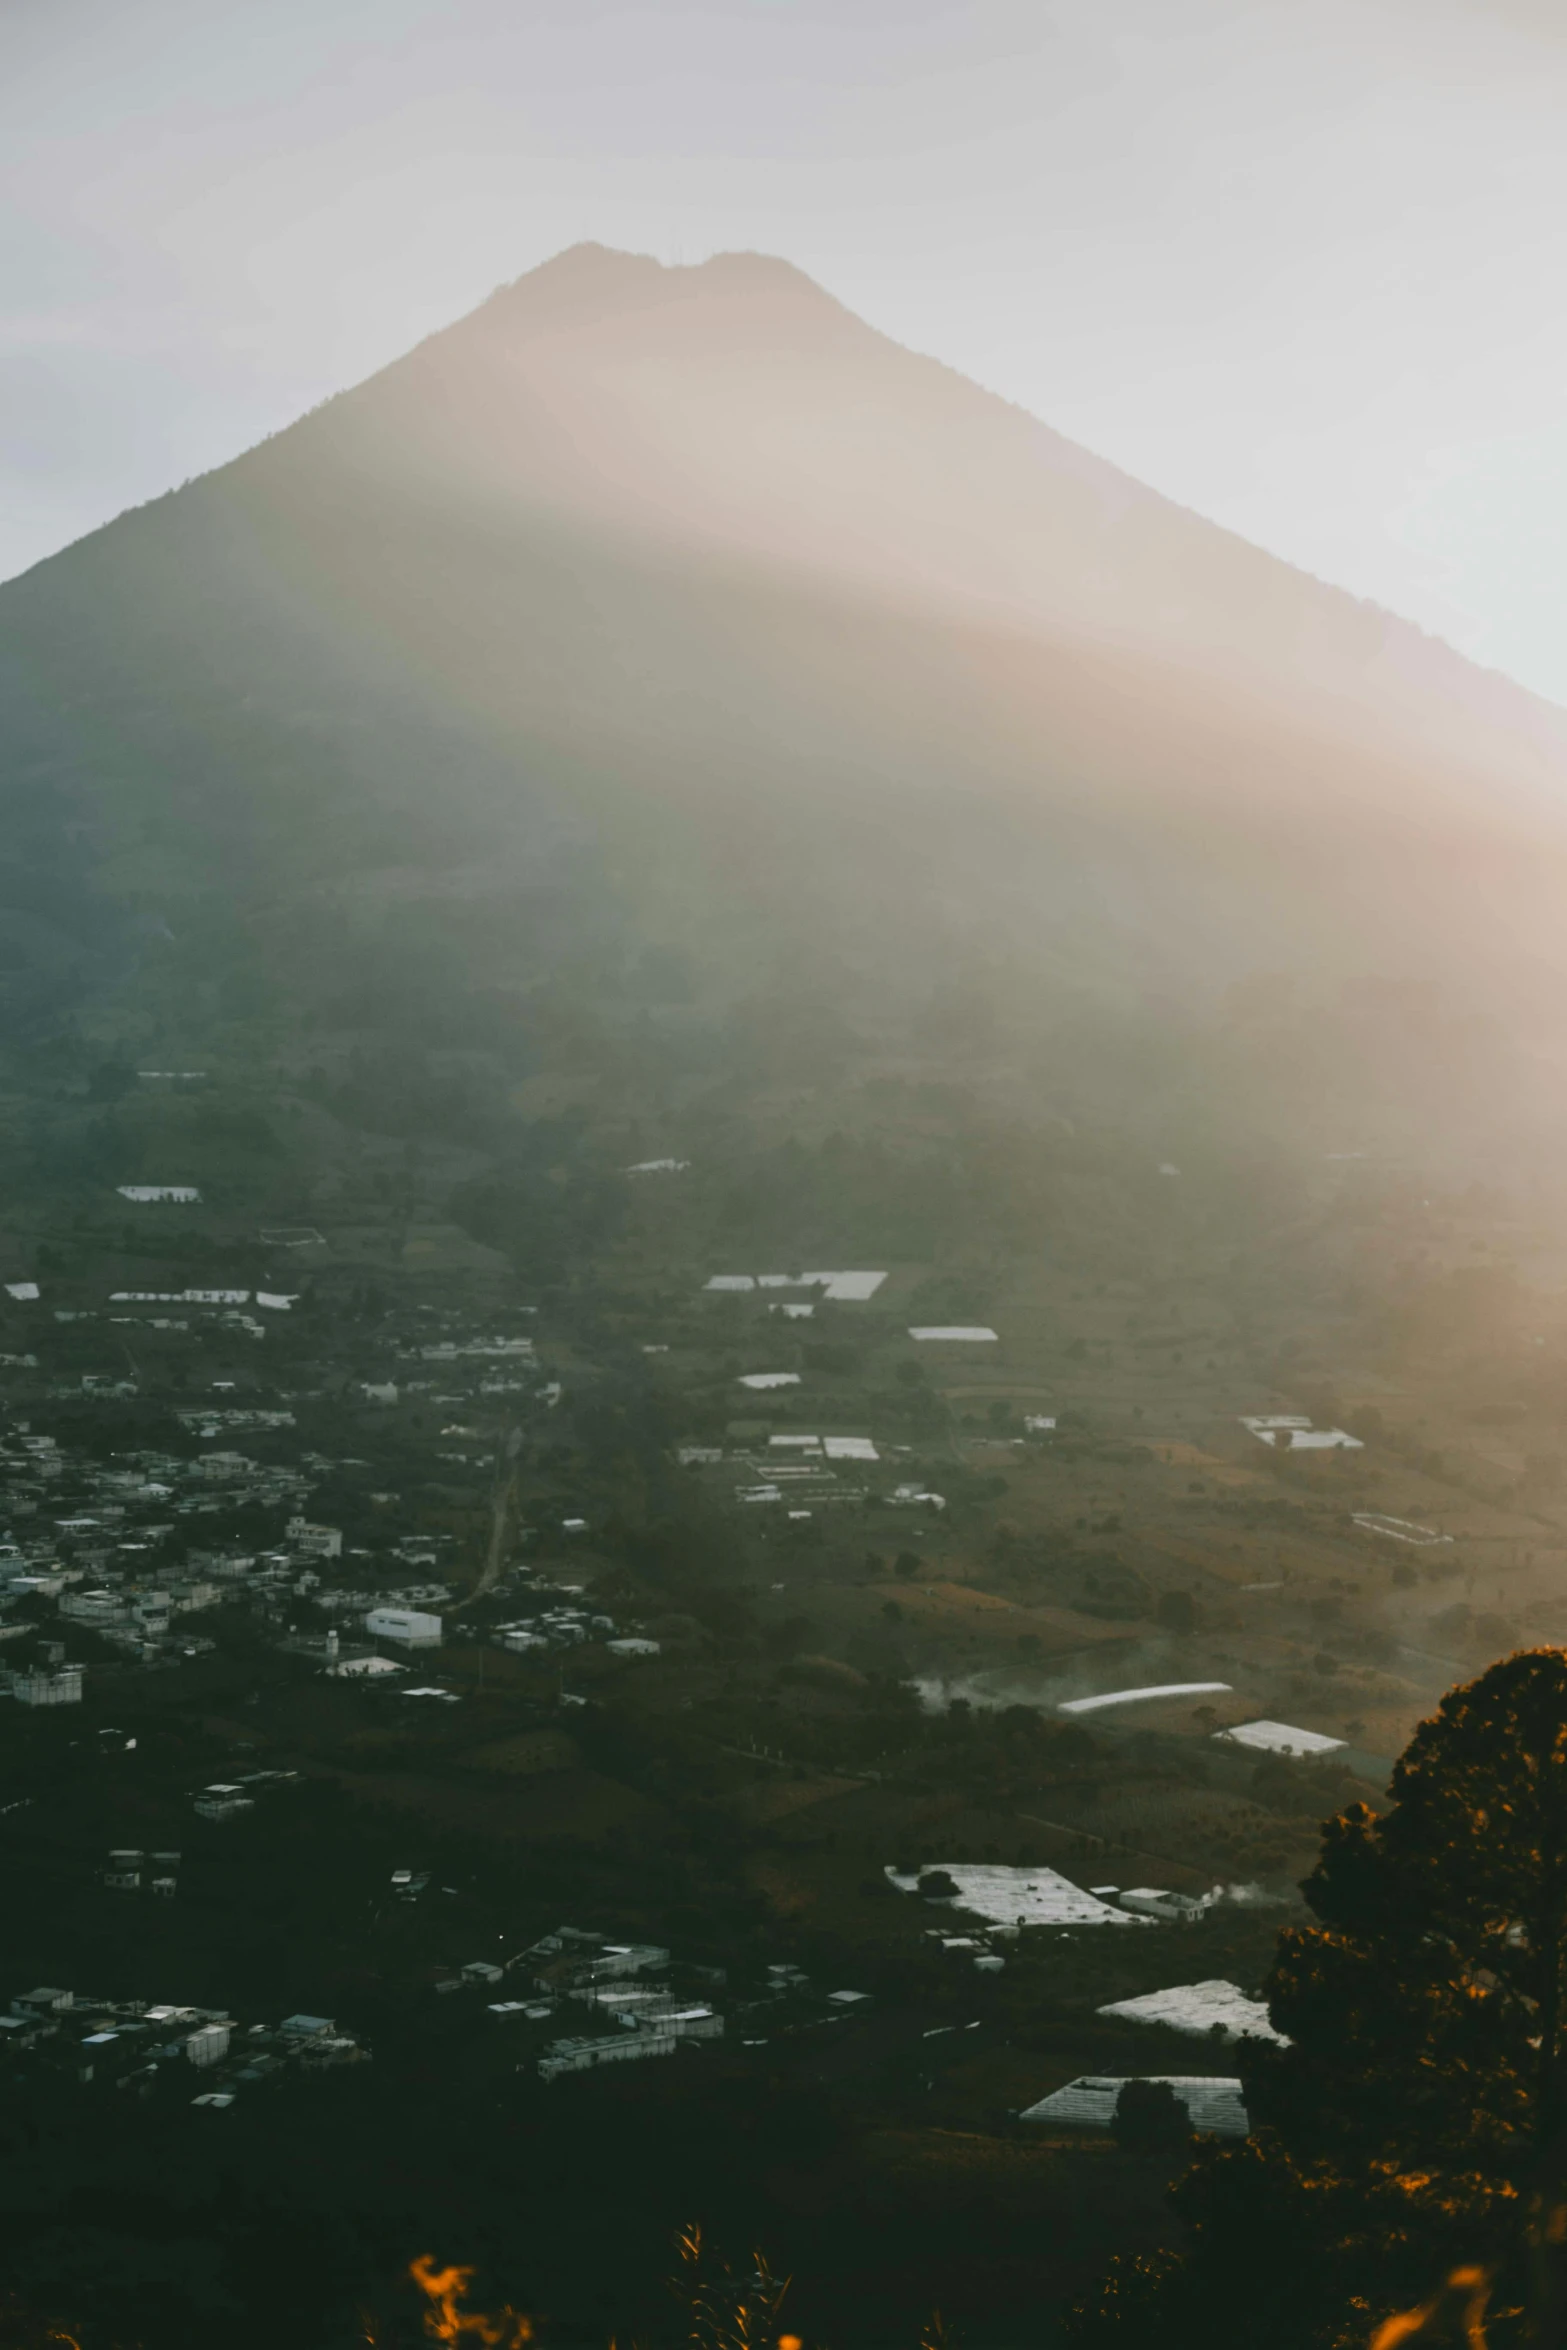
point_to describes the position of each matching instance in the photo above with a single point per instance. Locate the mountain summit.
(653, 617)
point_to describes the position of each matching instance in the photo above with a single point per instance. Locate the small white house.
(223, 1802)
(218, 1467)
(321, 1542)
(406, 1625)
(209, 2045)
(63, 1686)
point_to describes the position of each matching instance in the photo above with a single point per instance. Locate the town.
(917, 1686)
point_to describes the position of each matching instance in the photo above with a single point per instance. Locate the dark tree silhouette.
(1417, 2123)
(1428, 2005)
(1150, 2119)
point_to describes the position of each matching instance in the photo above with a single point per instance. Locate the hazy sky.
(1299, 263)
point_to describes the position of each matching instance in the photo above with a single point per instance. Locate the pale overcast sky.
(1296, 262)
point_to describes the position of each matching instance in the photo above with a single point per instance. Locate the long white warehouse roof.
(1280, 1738)
(1089, 2102)
(1020, 1897)
(1199, 2007)
(1094, 1705)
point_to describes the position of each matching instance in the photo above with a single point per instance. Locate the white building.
(1153, 1901)
(623, 1959)
(321, 1542)
(1279, 1738)
(209, 2045)
(1293, 1432)
(675, 2022)
(91, 1607)
(62, 1686)
(221, 1465)
(405, 1625)
(221, 1802)
(954, 1334)
(584, 2056)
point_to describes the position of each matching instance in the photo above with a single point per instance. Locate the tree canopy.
(1416, 2123)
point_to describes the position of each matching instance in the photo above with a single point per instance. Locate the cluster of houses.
(566, 1624)
(799, 1472)
(91, 1537)
(140, 2046)
(129, 1869)
(631, 2002)
(623, 1989)
(113, 1588)
(85, 1537)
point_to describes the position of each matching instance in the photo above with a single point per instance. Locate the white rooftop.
(954, 1334)
(1279, 1738)
(1006, 1896)
(846, 1288)
(1094, 1705)
(1197, 2008)
(1089, 2102)
(1375, 1522)
(770, 1379)
(1290, 1433)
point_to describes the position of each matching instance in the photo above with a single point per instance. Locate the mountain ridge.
(650, 614)
(1347, 647)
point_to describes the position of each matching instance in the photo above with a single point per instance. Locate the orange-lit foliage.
(1455, 2315)
(726, 2309)
(23, 2328)
(446, 2320)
